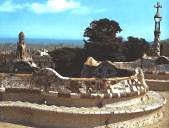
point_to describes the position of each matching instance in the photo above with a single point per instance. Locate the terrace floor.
(164, 123)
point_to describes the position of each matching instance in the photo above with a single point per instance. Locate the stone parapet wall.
(162, 68)
(157, 81)
(16, 81)
(41, 115)
(156, 76)
(158, 85)
(149, 102)
(53, 120)
(43, 119)
(146, 65)
(159, 76)
(128, 65)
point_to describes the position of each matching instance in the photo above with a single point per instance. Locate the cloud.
(8, 6)
(54, 6)
(50, 6)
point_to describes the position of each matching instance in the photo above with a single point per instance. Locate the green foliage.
(136, 48)
(104, 51)
(69, 61)
(102, 42)
(102, 30)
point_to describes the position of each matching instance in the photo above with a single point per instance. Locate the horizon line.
(67, 39)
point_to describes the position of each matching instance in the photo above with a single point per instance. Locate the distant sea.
(43, 41)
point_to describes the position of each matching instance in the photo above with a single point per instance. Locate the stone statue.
(21, 47)
(140, 76)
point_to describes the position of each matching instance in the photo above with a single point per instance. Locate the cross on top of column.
(157, 15)
(158, 5)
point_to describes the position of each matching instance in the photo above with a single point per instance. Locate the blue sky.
(67, 19)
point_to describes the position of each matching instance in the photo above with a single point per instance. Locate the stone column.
(157, 19)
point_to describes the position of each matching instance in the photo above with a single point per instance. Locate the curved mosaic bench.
(84, 92)
(78, 103)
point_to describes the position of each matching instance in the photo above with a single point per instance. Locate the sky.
(67, 19)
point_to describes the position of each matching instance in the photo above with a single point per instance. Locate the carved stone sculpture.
(21, 47)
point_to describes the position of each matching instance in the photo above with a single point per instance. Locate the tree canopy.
(102, 30)
(102, 42)
(68, 61)
(136, 48)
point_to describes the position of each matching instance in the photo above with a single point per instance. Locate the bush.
(68, 61)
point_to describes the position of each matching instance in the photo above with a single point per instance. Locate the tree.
(136, 47)
(102, 30)
(102, 42)
(68, 61)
